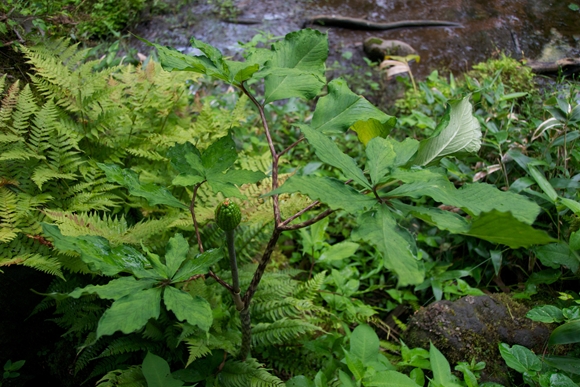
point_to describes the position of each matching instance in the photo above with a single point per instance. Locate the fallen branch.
(362, 24)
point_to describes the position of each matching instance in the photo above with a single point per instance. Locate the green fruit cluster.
(228, 215)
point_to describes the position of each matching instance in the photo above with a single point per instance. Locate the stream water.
(533, 29)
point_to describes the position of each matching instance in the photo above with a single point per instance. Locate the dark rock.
(473, 327)
(376, 48)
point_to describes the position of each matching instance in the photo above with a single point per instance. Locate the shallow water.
(532, 29)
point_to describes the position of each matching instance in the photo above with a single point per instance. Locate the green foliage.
(104, 173)
(82, 19)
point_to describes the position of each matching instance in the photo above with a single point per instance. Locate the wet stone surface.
(474, 326)
(533, 29)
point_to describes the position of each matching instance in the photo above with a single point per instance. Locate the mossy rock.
(473, 327)
(376, 48)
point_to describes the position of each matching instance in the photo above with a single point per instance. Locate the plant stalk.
(234, 268)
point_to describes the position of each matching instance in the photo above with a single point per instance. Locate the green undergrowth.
(110, 174)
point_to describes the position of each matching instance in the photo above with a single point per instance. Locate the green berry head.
(228, 215)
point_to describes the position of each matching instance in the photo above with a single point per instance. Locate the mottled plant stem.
(246, 321)
(247, 299)
(234, 269)
(192, 211)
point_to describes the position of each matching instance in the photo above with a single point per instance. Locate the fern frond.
(108, 364)
(246, 374)
(89, 351)
(25, 108)
(45, 264)
(43, 126)
(196, 348)
(278, 309)
(8, 215)
(8, 104)
(44, 173)
(309, 290)
(146, 154)
(126, 344)
(130, 377)
(2, 83)
(281, 331)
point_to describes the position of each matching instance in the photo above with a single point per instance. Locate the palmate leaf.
(462, 134)
(199, 265)
(212, 63)
(129, 179)
(212, 166)
(380, 229)
(131, 312)
(341, 109)
(194, 310)
(98, 254)
(116, 288)
(176, 252)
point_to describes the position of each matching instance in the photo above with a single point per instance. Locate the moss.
(473, 327)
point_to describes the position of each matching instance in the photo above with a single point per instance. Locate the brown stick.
(362, 24)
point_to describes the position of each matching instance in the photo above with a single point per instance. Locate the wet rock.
(376, 48)
(474, 326)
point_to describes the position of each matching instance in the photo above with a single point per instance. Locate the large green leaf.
(131, 312)
(543, 182)
(329, 191)
(213, 166)
(381, 158)
(341, 109)
(443, 220)
(194, 310)
(211, 63)
(369, 129)
(116, 288)
(129, 179)
(219, 156)
(565, 363)
(380, 229)
(364, 344)
(461, 135)
(566, 333)
(442, 375)
(504, 228)
(295, 67)
(558, 254)
(328, 152)
(472, 198)
(186, 159)
(389, 379)
(199, 265)
(546, 314)
(96, 252)
(176, 252)
(157, 372)
(520, 358)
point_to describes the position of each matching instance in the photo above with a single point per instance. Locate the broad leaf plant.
(389, 188)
